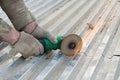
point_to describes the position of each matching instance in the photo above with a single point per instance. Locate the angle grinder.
(69, 45)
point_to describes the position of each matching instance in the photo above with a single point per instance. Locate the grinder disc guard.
(71, 45)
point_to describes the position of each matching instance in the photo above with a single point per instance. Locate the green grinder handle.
(48, 45)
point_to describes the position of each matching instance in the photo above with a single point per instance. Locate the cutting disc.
(71, 45)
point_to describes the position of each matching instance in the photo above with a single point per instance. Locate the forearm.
(18, 13)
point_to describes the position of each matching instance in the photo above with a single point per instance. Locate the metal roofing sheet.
(96, 21)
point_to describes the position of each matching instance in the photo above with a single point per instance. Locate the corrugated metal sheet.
(96, 21)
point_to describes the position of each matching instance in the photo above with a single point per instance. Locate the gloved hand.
(26, 44)
(39, 32)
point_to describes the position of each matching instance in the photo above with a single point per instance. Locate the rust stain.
(90, 26)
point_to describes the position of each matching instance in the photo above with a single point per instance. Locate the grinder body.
(48, 45)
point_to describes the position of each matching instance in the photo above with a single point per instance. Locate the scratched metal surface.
(98, 24)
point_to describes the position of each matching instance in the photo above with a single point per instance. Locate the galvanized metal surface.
(96, 21)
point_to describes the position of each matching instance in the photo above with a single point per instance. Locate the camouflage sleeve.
(17, 12)
(4, 29)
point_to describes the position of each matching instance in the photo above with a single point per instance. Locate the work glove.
(27, 45)
(39, 32)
